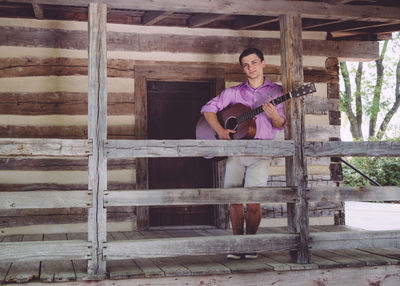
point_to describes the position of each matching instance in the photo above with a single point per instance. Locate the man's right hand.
(224, 134)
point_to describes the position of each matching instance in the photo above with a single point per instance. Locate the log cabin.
(100, 170)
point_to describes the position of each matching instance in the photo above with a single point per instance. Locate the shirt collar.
(267, 82)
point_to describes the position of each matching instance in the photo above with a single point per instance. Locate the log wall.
(43, 94)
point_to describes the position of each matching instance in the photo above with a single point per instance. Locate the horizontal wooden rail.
(360, 194)
(342, 149)
(246, 195)
(198, 196)
(221, 148)
(172, 247)
(211, 245)
(355, 239)
(45, 199)
(197, 148)
(45, 147)
(44, 250)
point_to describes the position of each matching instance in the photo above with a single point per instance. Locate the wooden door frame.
(171, 72)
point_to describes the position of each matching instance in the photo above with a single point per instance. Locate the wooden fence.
(98, 149)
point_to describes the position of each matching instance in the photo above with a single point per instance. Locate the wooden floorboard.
(25, 271)
(343, 261)
(184, 266)
(80, 266)
(59, 271)
(6, 266)
(122, 269)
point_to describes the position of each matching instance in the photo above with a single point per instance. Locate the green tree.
(365, 100)
(385, 171)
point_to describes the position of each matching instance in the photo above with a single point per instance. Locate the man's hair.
(250, 51)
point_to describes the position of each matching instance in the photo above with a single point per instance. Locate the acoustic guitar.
(240, 118)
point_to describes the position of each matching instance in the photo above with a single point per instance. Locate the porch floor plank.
(25, 271)
(80, 266)
(57, 271)
(184, 266)
(122, 269)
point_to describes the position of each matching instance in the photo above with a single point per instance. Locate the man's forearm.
(212, 120)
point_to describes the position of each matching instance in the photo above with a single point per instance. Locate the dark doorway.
(173, 110)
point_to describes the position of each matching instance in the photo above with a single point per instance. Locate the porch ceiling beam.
(307, 9)
(248, 22)
(200, 20)
(153, 17)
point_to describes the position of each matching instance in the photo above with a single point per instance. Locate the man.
(256, 91)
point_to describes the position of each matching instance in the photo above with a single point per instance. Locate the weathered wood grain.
(62, 187)
(44, 250)
(122, 269)
(354, 239)
(45, 147)
(252, 7)
(198, 196)
(342, 149)
(296, 166)
(367, 193)
(63, 132)
(80, 266)
(45, 199)
(192, 148)
(71, 103)
(97, 132)
(59, 164)
(23, 271)
(56, 272)
(119, 41)
(32, 66)
(198, 246)
(142, 176)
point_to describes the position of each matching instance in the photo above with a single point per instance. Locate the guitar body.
(240, 118)
(227, 118)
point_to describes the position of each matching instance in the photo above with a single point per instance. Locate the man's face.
(253, 66)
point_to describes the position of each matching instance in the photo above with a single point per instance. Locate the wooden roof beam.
(306, 9)
(200, 20)
(309, 24)
(153, 17)
(249, 22)
(380, 27)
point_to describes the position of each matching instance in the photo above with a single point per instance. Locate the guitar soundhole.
(231, 123)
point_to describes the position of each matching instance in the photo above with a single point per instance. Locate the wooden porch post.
(296, 166)
(97, 132)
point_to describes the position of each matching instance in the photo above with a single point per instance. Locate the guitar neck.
(258, 110)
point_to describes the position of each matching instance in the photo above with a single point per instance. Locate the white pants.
(253, 170)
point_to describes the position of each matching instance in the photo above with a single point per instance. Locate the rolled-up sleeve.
(219, 102)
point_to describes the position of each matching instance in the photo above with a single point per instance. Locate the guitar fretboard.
(303, 90)
(258, 110)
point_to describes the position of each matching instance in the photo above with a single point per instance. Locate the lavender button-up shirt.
(245, 94)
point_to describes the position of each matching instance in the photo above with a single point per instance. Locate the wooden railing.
(98, 149)
(60, 250)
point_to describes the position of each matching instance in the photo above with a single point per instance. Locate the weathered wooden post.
(296, 166)
(97, 132)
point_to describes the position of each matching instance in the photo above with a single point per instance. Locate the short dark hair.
(250, 51)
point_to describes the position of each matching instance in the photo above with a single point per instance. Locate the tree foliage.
(385, 171)
(375, 97)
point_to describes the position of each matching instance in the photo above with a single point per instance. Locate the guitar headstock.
(304, 90)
